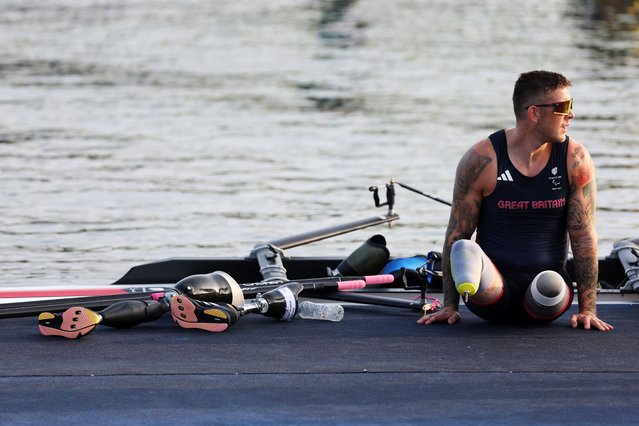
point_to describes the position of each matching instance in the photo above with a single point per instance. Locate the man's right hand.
(447, 314)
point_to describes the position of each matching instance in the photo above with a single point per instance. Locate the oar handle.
(351, 285)
(379, 279)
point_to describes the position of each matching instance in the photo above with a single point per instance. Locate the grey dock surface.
(376, 366)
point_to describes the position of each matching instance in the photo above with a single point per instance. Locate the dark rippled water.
(132, 131)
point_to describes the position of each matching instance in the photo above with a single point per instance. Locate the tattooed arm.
(583, 235)
(472, 182)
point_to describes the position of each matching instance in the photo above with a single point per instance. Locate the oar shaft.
(372, 299)
(320, 234)
(313, 285)
(417, 191)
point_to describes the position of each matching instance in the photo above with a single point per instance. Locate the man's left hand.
(589, 320)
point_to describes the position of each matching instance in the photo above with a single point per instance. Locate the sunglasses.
(559, 108)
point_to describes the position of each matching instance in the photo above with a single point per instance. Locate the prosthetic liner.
(547, 296)
(467, 265)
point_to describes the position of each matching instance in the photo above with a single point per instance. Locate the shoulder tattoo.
(470, 168)
(582, 170)
(465, 211)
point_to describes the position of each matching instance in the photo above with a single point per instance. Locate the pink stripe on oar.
(157, 296)
(351, 285)
(59, 293)
(379, 279)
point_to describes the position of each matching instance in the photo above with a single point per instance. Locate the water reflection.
(338, 25)
(613, 27)
(616, 13)
(339, 29)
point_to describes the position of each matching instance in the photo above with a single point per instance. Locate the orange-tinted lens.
(563, 108)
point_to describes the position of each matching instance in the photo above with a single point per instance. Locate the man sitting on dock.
(525, 191)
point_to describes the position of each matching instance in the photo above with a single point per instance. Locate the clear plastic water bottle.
(320, 311)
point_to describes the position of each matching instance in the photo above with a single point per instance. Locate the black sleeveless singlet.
(522, 224)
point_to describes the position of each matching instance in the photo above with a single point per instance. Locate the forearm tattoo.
(586, 274)
(581, 221)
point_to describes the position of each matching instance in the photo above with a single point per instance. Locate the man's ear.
(532, 113)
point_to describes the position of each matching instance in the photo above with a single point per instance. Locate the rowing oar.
(417, 191)
(55, 292)
(216, 287)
